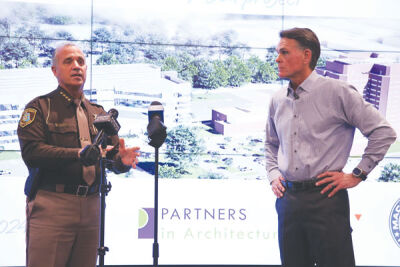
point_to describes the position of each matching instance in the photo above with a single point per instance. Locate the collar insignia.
(65, 96)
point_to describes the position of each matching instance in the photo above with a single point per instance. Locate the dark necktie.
(88, 172)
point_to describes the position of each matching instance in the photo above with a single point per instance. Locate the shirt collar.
(306, 85)
(69, 99)
(65, 95)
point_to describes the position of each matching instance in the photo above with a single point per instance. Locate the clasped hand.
(336, 181)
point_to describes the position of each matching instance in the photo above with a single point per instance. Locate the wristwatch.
(359, 173)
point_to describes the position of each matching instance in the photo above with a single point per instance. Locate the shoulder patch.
(28, 116)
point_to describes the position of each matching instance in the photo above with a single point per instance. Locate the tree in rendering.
(183, 146)
(390, 173)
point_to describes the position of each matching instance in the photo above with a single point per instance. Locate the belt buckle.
(82, 190)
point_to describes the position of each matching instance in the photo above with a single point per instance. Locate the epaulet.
(52, 93)
(35, 100)
(48, 95)
(96, 105)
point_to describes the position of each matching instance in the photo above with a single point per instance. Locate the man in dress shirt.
(309, 135)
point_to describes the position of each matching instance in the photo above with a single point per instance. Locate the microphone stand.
(104, 188)
(155, 244)
(157, 135)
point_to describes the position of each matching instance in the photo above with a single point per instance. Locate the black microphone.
(156, 129)
(106, 125)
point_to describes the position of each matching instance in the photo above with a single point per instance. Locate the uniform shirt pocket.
(63, 134)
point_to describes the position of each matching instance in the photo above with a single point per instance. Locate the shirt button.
(295, 133)
(297, 168)
(295, 151)
(295, 116)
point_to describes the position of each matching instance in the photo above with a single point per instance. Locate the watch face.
(357, 172)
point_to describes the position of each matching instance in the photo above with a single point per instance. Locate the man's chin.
(78, 80)
(282, 75)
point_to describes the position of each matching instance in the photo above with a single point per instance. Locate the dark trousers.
(314, 230)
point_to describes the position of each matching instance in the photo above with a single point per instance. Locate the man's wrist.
(359, 173)
(274, 174)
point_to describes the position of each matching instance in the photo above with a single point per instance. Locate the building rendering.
(378, 82)
(129, 88)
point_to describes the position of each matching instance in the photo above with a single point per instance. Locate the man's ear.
(53, 69)
(307, 56)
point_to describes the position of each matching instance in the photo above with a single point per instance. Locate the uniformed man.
(63, 189)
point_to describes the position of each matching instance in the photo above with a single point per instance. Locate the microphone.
(156, 109)
(106, 125)
(156, 129)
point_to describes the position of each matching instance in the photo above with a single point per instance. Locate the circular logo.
(143, 218)
(394, 222)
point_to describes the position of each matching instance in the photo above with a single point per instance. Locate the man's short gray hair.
(58, 48)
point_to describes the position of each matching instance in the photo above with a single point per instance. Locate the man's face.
(70, 68)
(293, 61)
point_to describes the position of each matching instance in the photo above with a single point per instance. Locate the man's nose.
(278, 58)
(75, 64)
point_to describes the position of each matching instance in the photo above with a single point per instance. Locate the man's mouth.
(77, 75)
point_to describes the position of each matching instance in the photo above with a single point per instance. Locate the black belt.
(78, 190)
(301, 185)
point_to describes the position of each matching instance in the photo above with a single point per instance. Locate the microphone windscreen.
(154, 103)
(156, 109)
